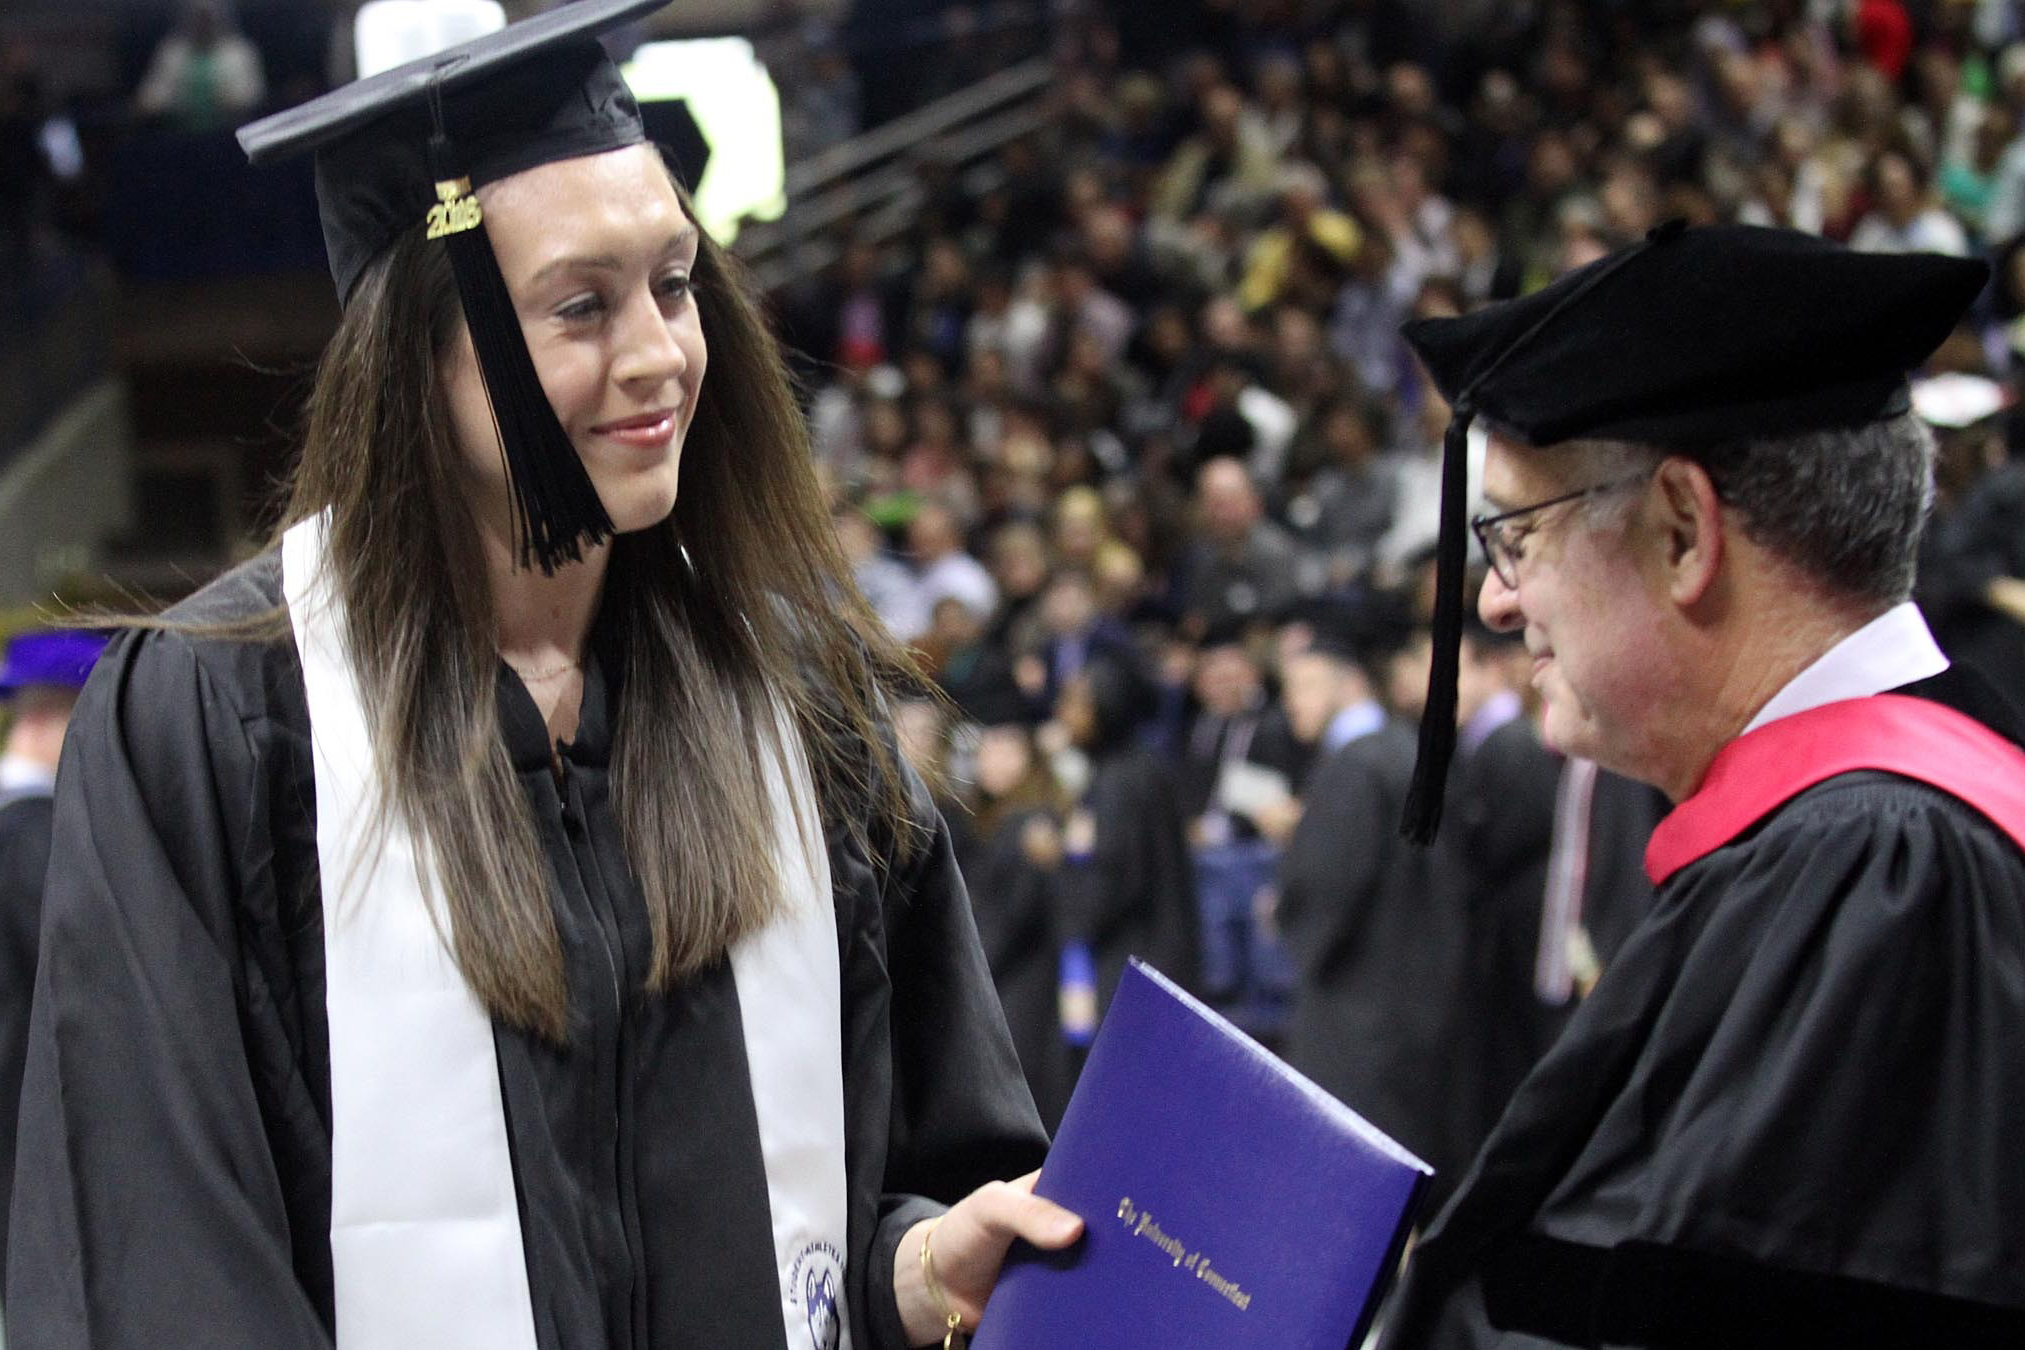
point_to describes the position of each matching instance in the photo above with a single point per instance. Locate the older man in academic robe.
(1787, 1115)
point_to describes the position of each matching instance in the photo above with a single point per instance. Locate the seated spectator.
(1227, 163)
(1304, 254)
(887, 584)
(1075, 631)
(1020, 564)
(1081, 528)
(1237, 417)
(1905, 217)
(204, 75)
(1968, 182)
(1082, 307)
(1349, 502)
(973, 671)
(1241, 566)
(942, 567)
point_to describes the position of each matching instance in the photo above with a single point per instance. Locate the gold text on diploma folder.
(1180, 1255)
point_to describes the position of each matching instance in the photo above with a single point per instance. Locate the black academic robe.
(1615, 891)
(1377, 947)
(176, 1108)
(1017, 907)
(1259, 735)
(24, 858)
(1490, 862)
(1135, 895)
(1786, 1116)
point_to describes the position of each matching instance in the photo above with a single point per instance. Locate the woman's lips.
(648, 431)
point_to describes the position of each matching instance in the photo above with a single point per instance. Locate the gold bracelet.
(952, 1320)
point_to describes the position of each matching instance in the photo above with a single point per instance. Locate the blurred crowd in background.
(1121, 436)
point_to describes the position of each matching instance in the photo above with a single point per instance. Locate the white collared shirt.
(18, 773)
(1352, 723)
(1893, 649)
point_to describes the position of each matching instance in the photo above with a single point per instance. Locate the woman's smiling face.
(598, 256)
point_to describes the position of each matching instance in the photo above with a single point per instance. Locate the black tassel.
(556, 510)
(1425, 794)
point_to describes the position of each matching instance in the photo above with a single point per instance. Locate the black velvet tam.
(1704, 336)
(532, 93)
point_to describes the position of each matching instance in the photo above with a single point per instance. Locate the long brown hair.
(766, 619)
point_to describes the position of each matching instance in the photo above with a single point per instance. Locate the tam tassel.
(556, 510)
(1424, 796)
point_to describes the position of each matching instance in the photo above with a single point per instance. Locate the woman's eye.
(581, 308)
(675, 285)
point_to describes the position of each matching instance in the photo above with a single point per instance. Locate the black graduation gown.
(1377, 947)
(1786, 1116)
(1491, 865)
(177, 1103)
(1262, 736)
(1135, 896)
(24, 858)
(1615, 891)
(1016, 904)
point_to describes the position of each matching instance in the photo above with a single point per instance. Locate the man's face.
(1225, 680)
(1591, 619)
(1312, 689)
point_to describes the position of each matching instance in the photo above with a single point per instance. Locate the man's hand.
(969, 1246)
(1276, 820)
(2007, 595)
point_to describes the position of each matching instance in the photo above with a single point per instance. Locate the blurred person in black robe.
(1013, 874)
(1785, 1115)
(1377, 947)
(39, 682)
(1972, 557)
(1235, 721)
(1129, 886)
(1499, 824)
(497, 913)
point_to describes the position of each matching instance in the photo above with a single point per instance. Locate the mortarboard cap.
(405, 150)
(1690, 339)
(62, 659)
(1363, 630)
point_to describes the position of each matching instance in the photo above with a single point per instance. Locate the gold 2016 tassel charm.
(456, 210)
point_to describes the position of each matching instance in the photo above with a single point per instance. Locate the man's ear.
(1687, 517)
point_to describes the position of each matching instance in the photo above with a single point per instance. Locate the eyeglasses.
(1503, 538)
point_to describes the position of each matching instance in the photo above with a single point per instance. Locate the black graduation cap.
(1362, 629)
(1688, 340)
(406, 149)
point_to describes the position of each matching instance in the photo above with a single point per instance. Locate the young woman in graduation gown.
(1129, 888)
(716, 1044)
(1015, 888)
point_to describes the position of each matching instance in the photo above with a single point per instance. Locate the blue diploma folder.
(1228, 1202)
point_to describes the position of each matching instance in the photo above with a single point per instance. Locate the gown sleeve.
(961, 1112)
(149, 1210)
(24, 858)
(1330, 867)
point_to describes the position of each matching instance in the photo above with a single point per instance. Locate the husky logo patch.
(815, 1283)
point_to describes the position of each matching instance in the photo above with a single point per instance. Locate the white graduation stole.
(425, 1231)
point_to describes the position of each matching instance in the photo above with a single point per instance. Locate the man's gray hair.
(1845, 506)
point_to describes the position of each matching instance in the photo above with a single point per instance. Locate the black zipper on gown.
(614, 1069)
